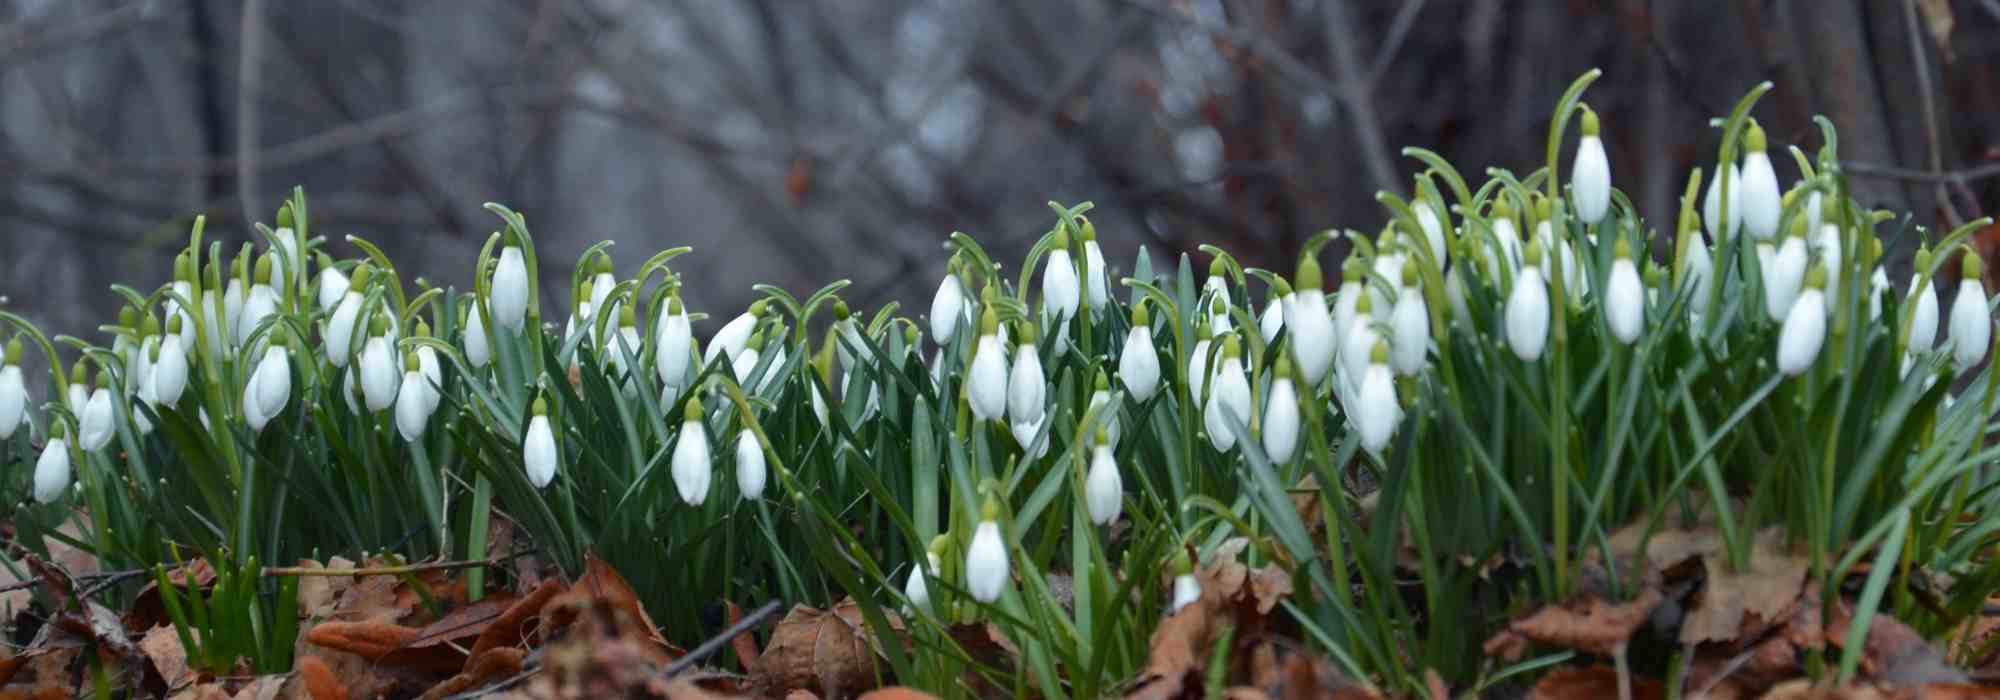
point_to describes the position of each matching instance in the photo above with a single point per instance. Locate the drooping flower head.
(1138, 363)
(1590, 178)
(692, 469)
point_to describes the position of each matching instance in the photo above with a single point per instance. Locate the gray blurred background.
(799, 142)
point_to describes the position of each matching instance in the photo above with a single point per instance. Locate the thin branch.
(272, 571)
(1399, 31)
(1357, 95)
(716, 643)
(1965, 176)
(1930, 108)
(18, 39)
(249, 72)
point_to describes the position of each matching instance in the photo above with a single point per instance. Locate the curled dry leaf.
(517, 623)
(1588, 624)
(1591, 684)
(488, 667)
(897, 692)
(829, 651)
(387, 645)
(318, 594)
(319, 680)
(1735, 605)
(601, 583)
(162, 646)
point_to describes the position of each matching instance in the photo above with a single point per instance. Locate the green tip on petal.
(1202, 332)
(1350, 270)
(1061, 241)
(989, 511)
(128, 317)
(756, 341)
(939, 545)
(1923, 261)
(603, 265)
(79, 373)
(1218, 306)
(277, 337)
(1753, 138)
(910, 336)
(1100, 382)
(1232, 348)
(840, 312)
(674, 307)
(1308, 277)
(14, 351)
(1590, 124)
(359, 280)
(103, 379)
(691, 411)
(989, 322)
(758, 307)
(1622, 249)
(1544, 210)
(1102, 439)
(378, 325)
(1501, 210)
(1409, 273)
(1533, 256)
(285, 215)
(511, 239)
(149, 325)
(1655, 275)
(174, 324)
(1972, 267)
(263, 274)
(627, 317)
(1283, 370)
(325, 261)
(1024, 334)
(410, 363)
(1141, 318)
(1874, 249)
(1183, 564)
(1089, 229)
(1816, 277)
(1280, 289)
(541, 407)
(1216, 268)
(1380, 355)
(1798, 229)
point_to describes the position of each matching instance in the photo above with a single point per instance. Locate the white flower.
(947, 306)
(1103, 490)
(1878, 285)
(1281, 417)
(691, 462)
(986, 384)
(1028, 435)
(412, 406)
(1187, 590)
(1711, 206)
(1376, 411)
(1389, 266)
(142, 375)
(735, 335)
(1590, 180)
(1427, 219)
(1701, 273)
(538, 449)
(477, 349)
(217, 333)
(288, 242)
(1454, 295)
(1784, 275)
(675, 346)
(333, 284)
(1230, 397)
(1060, 294)
(13, 391)
(1309, 327)
(1359, 340)
(1100, 401)
(379, 378)
(96, 425)
(1805, 328)
(1094, 292)
(339, 338)
(232, 312)
(270, 386)
(263, 302)
(1026, 388)
(1272, 319)
(986, 560)
(750, 470)
(1138, 363)
(1347, 301)
(1624, 298)
(52, 470)
(1528, 311)
(1813, 220)
(915, 588)
(79, 391)
(1505, 231)
(1762, 201)
(1198, 369)
(602, 284)
(170, 368)
(1827, 245)
(1409, 326)
(1924, 311)
(509, 290)
(1971, 323)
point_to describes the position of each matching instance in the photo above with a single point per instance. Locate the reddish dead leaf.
(1590, 684)
(801, 695)
(265, 688)
(600, 582)
(320, 682)
(1173, 656)
(1270, 585)
(212, 690)
(812, 649)
(745, 645)
(480, 670)
(11, 666)
(1734, 605)
(517, 623)
(148, 611)
(162, 646)
(318, 594)
(466, 622)
(897, 692)
(387, 645)
(370, 599)
(1589, 624)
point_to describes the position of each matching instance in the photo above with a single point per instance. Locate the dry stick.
(1930, 109)
(717, 642)
(392, 570)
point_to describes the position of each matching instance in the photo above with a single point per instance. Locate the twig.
(1399, 30)
(37, 580)
(717, 642)
(1357, 94)
(1930, 109)
(1965, 176)
(391, 570)
(249, 72)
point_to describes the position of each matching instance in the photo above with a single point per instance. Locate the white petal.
(1711, 205)
(538, 452)
(1281, 422)
(986, 563)
(340, 329)
(477, 350)
(1228, 400)
(734, 336)
(52, 471)
(1198, 371)
(750, 470)
(986, 384)
(509, 292)
(1026, 388)
(379, 376)
(96, 426)
(170, 372)
(1139, 365)
(1104, 490)
(1377, 411)
(1971, 325)
(1094, 287)
(1624, 302)
(1924, 324)
(332, 287)
(1590, 181)
(412, 407)
(1528, 315)
(13, 400)
(1187, 590)
(947, 310)
(1787, 272)
(1410, 327)
(1059, 285)
(1762, 202)
(1803, 333)
(675, 348)
(692, 470)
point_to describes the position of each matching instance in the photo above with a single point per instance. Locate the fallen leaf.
(266, 688)
(320, 682)
(148, 611)
(1173, 656)
(370, 599)
(1590, 684)
(824, 650)
(1589, 624)
(515, 626)
(318, 594)
(387, 645)
(1736, 605)
(745, 644)
(897, 692)
(600, 582)
(1270, 585)
(480, 670)
(162, 646)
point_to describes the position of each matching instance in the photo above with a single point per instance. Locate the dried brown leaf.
(897, 692)
(162, 646)
(1736, 605)
(1591, 684)
(1589, 624)
(600, 582)
(318, 594)
(827, 651)
(480, 670)
(517, 624)
(320, 682)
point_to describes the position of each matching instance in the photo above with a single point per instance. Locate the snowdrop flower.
(603, 282)
(288, 241)
(1427, 219)
(538, 449)
(96, 425)
(1505, 231)
(915, 588)
(1103, 490)
(261, 303)
(691, 461)
(986, 560)
(1100, 399)
(1187, 589)
(1028, 436)
(413, 405)
(1827, 246)
(581, 313)
(1804, 331)
(183, 287)
(170, 366)
(1624, 300)
(1060, 294)
(1346, 301)
(1923, 305)
(1026, 388)
(13, 391)
(1878, 279)
(1359, 341)
(986, 383)
(509, 287)
(750, 469)
(379, 378)
(675, 346)
(1697, 271)
(1409, 325)
(270, 385)
(746, 361)
(233, 300)
(1230, 398)
(1454, 295)
(1273, 318)
(52, 468)
(333, 284)
(478, 351)
(1762, 203)
(1376, 411)
(1971, 323)
(735, 334)
(625, 342)
(1138, 363)
(1590, 177)
(1095, 274)
(339, 338)
(79, 388)
(1388, 265)
(1784, 274)
(947, 305)
(1280, 429)
(849, 339)
(1528, 309)
(1711, 208)
(125, 345)
(1309, 328)
(1217, 284)
(1199, 369)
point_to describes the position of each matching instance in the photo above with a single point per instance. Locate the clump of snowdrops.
(1502, 374)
